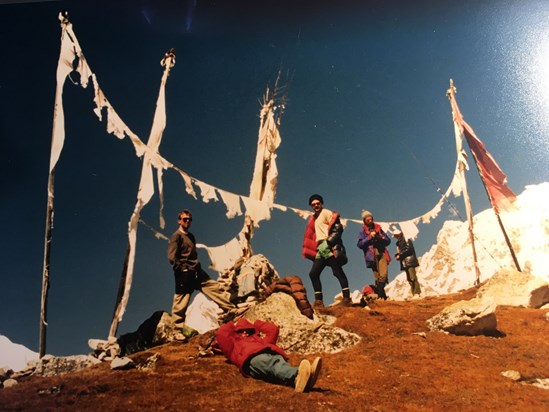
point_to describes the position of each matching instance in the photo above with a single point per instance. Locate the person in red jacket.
(252, 347)
(322, 245)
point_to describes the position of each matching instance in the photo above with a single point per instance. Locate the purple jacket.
(367, 244)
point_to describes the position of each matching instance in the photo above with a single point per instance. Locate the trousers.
(318, 267)
(185, 284)
(412, 280)
(272, 368)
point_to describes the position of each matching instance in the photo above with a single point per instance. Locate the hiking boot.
(318, 303)
(303, 375)
(380, 290)
(316, 366)
(346, 297)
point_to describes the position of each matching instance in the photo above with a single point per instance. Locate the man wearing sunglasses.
(323, 245)
(189, 275)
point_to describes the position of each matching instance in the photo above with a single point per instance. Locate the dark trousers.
(318, 267)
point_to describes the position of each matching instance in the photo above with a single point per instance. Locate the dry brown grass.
(391, 369)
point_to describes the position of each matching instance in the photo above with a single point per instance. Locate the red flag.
(493, 177)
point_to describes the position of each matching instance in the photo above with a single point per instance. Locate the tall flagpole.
(265, 167)
(462, 159)
(58, 135)
(144, 194)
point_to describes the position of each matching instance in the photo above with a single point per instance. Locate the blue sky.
(367, 125)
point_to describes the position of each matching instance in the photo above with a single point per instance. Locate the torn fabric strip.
(223, 257)
(232, 202)
(257, 210)
(206, 191)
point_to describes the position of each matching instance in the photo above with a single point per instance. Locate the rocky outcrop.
(477, 316)
(50, 365)
(298, 333)
(513, 288)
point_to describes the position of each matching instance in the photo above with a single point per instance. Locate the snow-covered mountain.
(14, 356)
(448, 266)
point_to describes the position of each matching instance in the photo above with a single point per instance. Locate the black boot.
(346, 297)
(380, 290)
(318, 303)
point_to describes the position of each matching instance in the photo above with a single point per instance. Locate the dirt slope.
(391, 369)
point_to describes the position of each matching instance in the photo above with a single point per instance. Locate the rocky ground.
(398, 365)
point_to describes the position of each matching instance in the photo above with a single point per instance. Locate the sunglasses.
(186, 219)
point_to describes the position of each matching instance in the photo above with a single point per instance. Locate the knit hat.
(365, 214)
(316, 197)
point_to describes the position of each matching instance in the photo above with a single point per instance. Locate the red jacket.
(309, 239)
(239, 349)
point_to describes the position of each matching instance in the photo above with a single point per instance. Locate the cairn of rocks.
(247, 280)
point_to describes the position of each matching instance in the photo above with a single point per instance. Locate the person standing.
(252, 347)
(374, 241)
(323, 245)
(189, 275)
(406, 254)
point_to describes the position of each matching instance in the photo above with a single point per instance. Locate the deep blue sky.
(367, 125)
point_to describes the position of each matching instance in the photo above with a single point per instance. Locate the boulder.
(469, 317)
(513, 288)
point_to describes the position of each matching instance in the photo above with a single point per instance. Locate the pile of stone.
(247, 280)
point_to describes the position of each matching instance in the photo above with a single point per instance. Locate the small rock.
(514, 375)
(122, 363)
(8, 383)
(541, 383)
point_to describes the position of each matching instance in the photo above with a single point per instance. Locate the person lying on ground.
(252, 347)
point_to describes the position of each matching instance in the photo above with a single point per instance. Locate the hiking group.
(252, 347)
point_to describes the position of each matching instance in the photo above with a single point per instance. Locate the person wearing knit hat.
(406, 254)
(373, 241)
(312, 198)
(323, 245)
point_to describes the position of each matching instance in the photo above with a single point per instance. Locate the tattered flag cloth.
(493, 177)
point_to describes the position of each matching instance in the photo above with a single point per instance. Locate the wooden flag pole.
(46, 267)
(459, 139)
